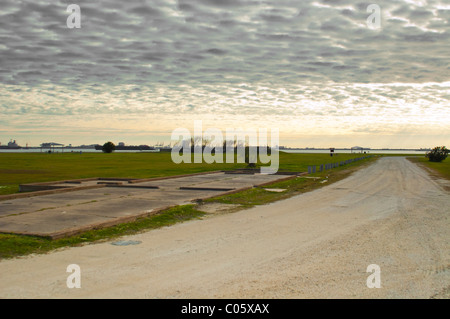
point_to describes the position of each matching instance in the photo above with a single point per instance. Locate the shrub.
(108, 147)
(437, 154)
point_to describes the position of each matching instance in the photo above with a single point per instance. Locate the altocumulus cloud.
(307, 67)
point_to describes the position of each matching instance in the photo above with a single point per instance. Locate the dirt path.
(316, 245)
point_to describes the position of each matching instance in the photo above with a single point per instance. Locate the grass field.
(22, 168)
(18, 168)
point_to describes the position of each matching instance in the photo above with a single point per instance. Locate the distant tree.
(437, 154)
(108, 147)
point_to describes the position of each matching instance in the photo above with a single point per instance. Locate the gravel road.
(315, 245)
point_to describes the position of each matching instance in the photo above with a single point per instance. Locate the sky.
(321, 72)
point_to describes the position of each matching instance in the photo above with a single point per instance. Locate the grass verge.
(440, 169)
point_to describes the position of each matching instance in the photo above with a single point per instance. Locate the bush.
(437, 154)
(108, 147)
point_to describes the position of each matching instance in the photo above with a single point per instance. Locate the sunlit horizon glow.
(137, 70)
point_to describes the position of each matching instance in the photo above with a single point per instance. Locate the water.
(70, 150)
(347, 151)
(309, 151)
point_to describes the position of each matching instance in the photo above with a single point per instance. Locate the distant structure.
(11, 145)
(359, 149)
(87, 146)
(51, 146)
(163, 148)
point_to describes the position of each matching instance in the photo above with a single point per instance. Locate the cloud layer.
(303, 66)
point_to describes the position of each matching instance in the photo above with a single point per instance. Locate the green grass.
(441, 169)
(23, 168)
(17, 245)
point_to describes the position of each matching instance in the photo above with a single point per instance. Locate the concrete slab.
(49, 223)
(57, 214)
(33, 204)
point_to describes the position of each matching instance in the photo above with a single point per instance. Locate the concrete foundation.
(63, 208)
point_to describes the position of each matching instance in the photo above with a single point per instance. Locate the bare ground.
(315, 245)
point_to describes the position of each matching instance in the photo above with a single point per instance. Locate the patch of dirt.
(218, 208)
(276, 190)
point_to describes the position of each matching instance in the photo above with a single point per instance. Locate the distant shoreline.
(364, 149)
(155, 148)
(286, 150)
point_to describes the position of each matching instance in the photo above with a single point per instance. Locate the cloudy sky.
(138, 69)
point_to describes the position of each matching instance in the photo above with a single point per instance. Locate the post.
(331, 151)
